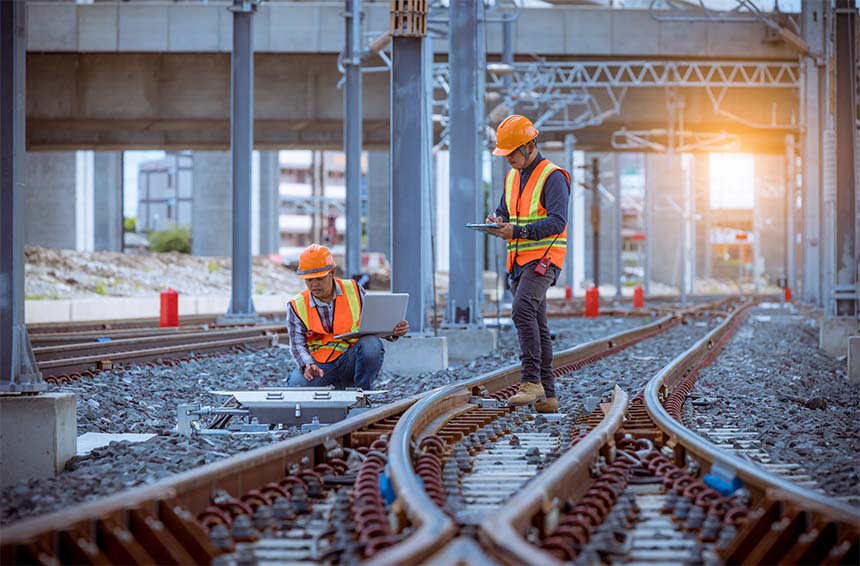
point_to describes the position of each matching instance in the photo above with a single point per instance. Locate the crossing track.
(316, 497)
(159, 523)
(627, 488)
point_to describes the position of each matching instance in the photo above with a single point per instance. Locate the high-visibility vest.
(322, 344)
(525, 208)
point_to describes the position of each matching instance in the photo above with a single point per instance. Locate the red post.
(592, 302)
(638, 297)
(568, 293)
(787, 294)
(169, 308)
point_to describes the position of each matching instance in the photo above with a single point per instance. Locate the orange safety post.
(787, 294)
(638, 297)
(568, 293)
(592, 302)
(169, 308)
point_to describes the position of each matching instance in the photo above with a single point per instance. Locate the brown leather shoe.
(550, 405)
(528, 393)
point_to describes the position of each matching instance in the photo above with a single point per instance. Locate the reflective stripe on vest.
(345, 318)
(525, 208)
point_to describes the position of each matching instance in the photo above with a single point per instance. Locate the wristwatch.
(524, 233)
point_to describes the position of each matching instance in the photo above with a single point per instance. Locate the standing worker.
(532, 217)
(327, 308)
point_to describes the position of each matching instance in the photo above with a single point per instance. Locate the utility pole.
(595, 221)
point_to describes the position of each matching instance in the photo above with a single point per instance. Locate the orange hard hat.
(314, 262)
(513, 132)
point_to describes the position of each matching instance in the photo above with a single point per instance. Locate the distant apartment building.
(164, 193)
(313, 197)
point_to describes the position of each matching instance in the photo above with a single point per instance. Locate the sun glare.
(732, 180)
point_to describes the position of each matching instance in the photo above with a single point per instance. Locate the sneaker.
(550, 405)
(527, 394)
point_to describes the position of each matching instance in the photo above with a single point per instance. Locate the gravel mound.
(144, 399)
(772, 378)
(630, 369)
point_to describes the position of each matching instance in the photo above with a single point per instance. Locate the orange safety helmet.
(315, 261)
(513, 132)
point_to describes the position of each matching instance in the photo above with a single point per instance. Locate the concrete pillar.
(38, 435)
(812, 100)
(378, 203)
(576, 234)
(50, 196)
(270, 181)
(835, 333)
(107, 189)
(663, 180)
(770, 213)
(211, 208)
(702, 227)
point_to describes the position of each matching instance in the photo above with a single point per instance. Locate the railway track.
(316, 497)
(68, 362)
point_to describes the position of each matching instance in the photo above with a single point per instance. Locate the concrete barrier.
(113, 308)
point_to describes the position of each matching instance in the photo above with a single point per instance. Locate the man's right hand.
(493, 219)
(313, 371)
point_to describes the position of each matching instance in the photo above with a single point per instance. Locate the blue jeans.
(357, 367)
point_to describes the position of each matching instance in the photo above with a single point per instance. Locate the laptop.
(380, 313)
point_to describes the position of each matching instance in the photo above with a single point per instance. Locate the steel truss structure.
(574, 95)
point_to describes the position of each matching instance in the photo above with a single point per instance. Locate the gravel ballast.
(773, 379)
(144, 400)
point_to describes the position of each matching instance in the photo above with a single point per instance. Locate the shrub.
(129, 224)
(177, 240)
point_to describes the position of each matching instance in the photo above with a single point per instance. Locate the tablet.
(483, 227)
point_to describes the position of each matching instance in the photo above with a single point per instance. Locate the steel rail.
(171, 504)
(46, 353)
(432, 526)
(567, 478)
(193, 489)
(54, 338)
(39, 328)
(90, 362)
(753, 476)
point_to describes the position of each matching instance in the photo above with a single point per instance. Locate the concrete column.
(270, 181)
(49, 198)
(467, 115)
(18, 370)
(812, 18)
(352, 112)
(107, 183)
(770, 215)
(663, 180)
(702, 226)
(378, 203)
(576, 235)
(211, 207)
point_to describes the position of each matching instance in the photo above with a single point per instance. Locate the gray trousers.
(529, 316)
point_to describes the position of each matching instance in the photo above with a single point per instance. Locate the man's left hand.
(401, 329)
(504, 231)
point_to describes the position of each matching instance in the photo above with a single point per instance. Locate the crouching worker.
(330, 307)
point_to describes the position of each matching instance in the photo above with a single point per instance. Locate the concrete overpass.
(125, 76)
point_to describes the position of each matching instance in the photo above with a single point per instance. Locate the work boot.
(550, 405)
(528, 393)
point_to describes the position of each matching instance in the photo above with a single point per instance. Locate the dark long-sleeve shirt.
(554, 198)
